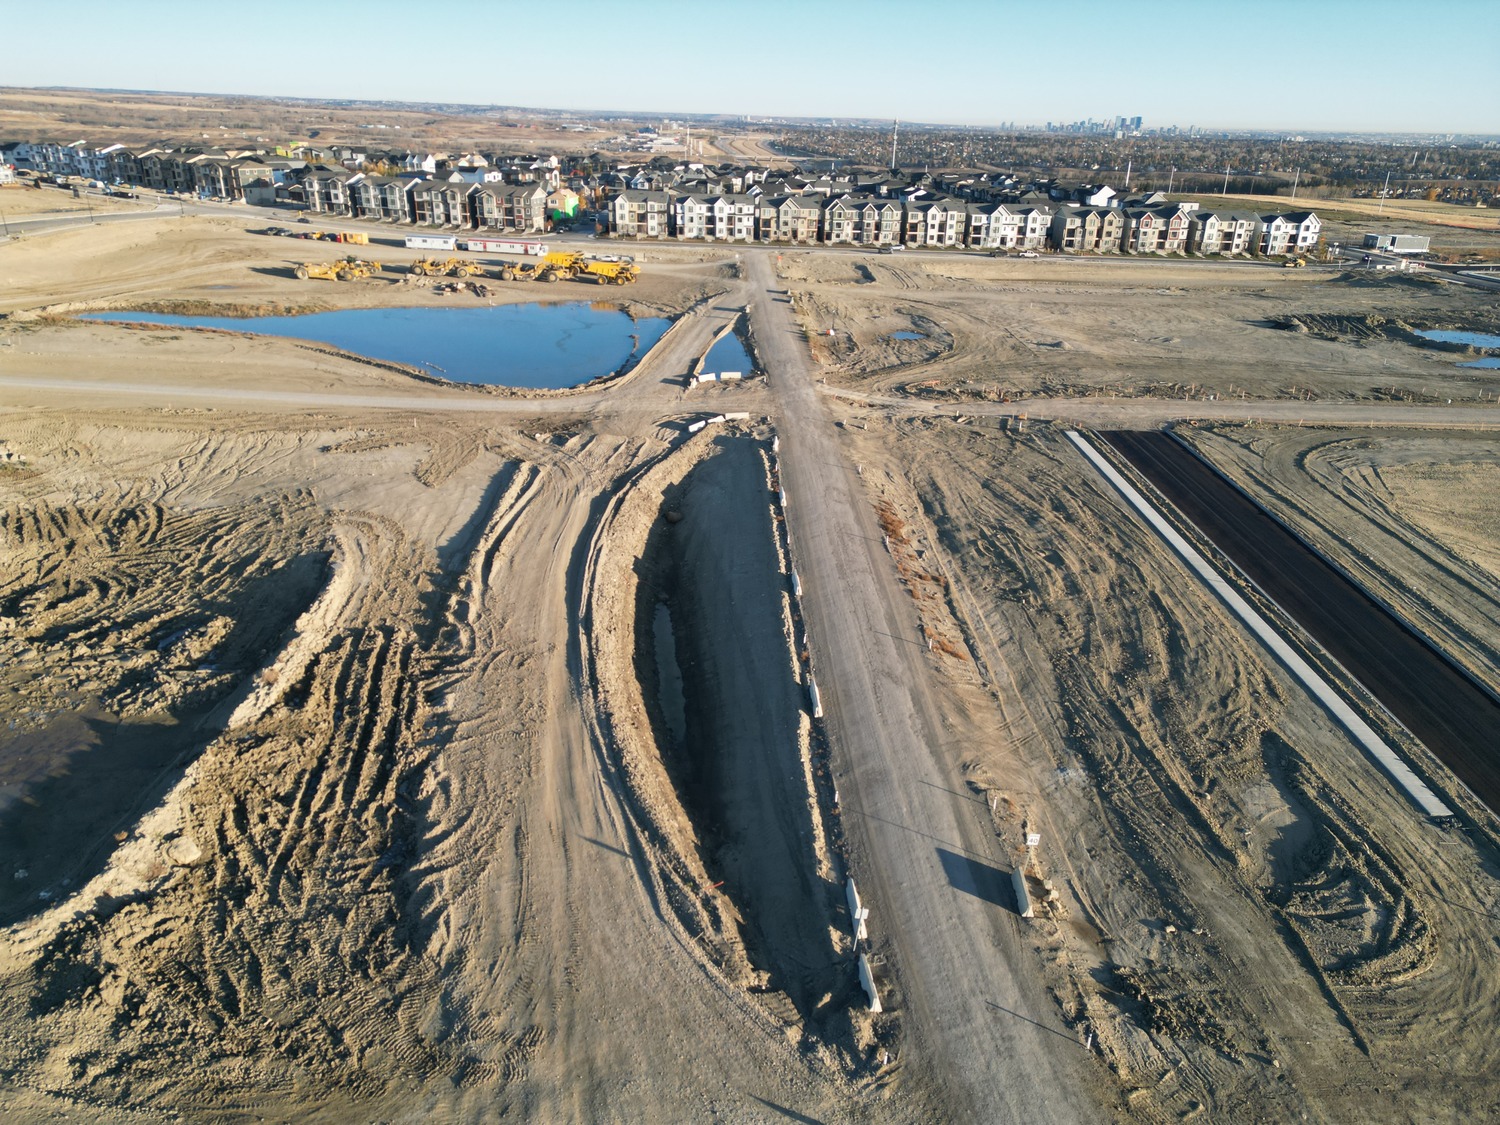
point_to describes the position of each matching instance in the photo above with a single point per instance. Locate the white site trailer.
(529, 247)
(431, 242)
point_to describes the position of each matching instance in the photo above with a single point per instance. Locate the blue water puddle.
(1473, 339)
(532, 346)
(728, 354)
(908, 336)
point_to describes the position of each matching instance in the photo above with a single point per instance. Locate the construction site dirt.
(380, 749)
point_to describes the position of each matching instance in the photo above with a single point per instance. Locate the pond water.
(534, 345)
(1473, 339)
(908, 336)
(729, 354)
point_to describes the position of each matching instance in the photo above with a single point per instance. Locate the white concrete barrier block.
(867, 979)
(857, 914)
(814, 697)
(1023, 896)
(694, 427)
(796, 585)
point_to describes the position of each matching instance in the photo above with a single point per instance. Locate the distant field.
(1414, 210)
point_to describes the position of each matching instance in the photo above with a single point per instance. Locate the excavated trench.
(716, 664)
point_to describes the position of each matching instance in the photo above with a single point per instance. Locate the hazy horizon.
(1317, 66)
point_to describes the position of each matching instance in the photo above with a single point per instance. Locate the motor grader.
(349, 269)
(452, 267)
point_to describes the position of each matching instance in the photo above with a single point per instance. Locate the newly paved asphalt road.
(1452, 715)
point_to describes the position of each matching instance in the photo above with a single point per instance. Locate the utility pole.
(1226, 181)
(1295, 180)
(1383, 192)
(1128, 163)
(1172, 175)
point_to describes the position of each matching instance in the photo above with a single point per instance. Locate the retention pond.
(532, 345)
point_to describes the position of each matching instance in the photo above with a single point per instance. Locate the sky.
(1429, 66)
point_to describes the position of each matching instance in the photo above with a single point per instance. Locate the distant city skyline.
(1371, 66)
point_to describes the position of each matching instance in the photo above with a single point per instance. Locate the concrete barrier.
(738, 416)
(781, 496)
(813, 697)
(857, 914)
(796, 585)
(694, 427)
(1023, 896)
(867, 979)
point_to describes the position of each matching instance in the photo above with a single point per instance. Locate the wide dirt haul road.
(933, 876)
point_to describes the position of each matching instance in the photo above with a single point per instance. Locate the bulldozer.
(1295, 263)
(452, 267)
(347, 269)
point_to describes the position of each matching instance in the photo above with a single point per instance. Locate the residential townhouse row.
(848, 220)
(727, 205)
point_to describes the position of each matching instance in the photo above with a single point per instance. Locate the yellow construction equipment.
(452, 267)
(569, 264)
(606, 273)
(1294, 263)
(346, 270)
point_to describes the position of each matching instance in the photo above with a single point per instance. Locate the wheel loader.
(346, 270)
(452, 267)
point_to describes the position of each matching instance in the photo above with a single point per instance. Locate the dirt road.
(985, 1043)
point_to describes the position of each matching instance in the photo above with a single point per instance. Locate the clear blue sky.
(1371, 65)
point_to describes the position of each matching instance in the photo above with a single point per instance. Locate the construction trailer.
(524, 246)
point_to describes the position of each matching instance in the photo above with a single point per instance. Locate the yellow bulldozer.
(1295, 263)
(348, 269)
(452, 267)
